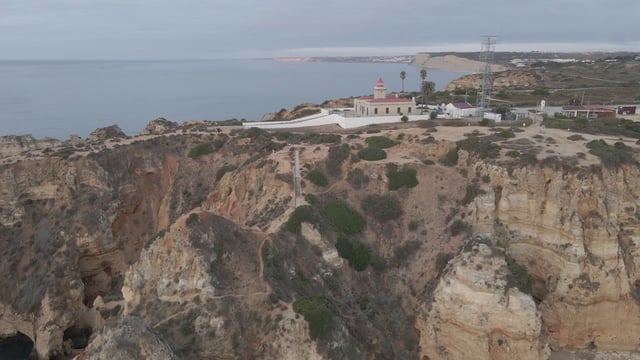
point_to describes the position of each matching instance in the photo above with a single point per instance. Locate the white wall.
(344, 122)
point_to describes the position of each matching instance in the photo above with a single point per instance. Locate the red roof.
(380, 82)
(388, 99)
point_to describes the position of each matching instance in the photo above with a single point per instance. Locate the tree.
(428, 88)
(403, 75)
(423, 74)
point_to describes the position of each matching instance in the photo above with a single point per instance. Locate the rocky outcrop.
(188, 286)
(577, 233)
(299, 111)
(105, 133)
(12, 145)
(158, 126)
(127, 338)
(510, 79)
(476, 314)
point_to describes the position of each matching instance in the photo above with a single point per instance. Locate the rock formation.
(477, 314)
(151, 249)
(105, 133)
(158, 126)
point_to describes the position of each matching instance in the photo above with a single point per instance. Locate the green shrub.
(357, 178)
(459, 227)
(382, 207)
(404, 118)
(372, 154)
(356, 253)
(518, 276)
(429, 161)
(223, 170)
(413, 225)
(611, 156)
(403, 177)
(576, 137)
(337, 155)
(405, 250)
(254, 133)
(344, 218)
(317, 177)
(450, 158)
(506, 134)
(199, 150)
(314, 138)
(473, 190)
(380, 142)
(485, 149)
(513, 153)
(301, 214)
(319, 313)
(433, 115)
(486, 122)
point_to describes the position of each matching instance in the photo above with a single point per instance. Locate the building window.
(375, 111)
(399, 110)
(386, 110)
(409, 112)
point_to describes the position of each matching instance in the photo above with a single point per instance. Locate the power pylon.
(486, 56)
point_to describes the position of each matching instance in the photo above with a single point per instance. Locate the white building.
(460, 110)
(381, 104)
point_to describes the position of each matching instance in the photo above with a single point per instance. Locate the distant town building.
(381, 104)
(588, 111)
(460, 110)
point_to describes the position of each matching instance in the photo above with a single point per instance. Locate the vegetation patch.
(380, 142)
(401, 178)
(615, 127)
(301, 214)
(372, 154)
(472, 191)
(404, 251)
(458, 227)
(518, 276)
(356, 253)
(485, 149)
(317, 177)
(450, 158)
(611, 156)
(357, 178)
(337, 155)
(506, 134)
(576, 137)
(319, 312)
(199, 150)
(344, 218)
(382, 207)
(223, 170)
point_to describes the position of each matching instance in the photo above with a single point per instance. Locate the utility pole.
(486, 56)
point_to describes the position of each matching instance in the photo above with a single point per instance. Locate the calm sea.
(59, 98)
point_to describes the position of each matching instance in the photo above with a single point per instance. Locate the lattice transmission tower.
(486, 56)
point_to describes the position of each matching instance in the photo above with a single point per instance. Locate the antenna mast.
(486, 56)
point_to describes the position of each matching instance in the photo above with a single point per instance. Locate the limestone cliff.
(509, 79)
(477, 314)
(190, 241)
(577, 234)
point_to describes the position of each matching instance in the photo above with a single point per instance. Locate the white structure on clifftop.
(382, 105)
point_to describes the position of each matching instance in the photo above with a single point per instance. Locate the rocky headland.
(189, 242)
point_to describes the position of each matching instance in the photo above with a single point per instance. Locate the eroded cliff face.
(477, 314)
(577, 234)
(195, 256)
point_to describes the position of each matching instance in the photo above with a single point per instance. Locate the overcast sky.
(198, 29)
